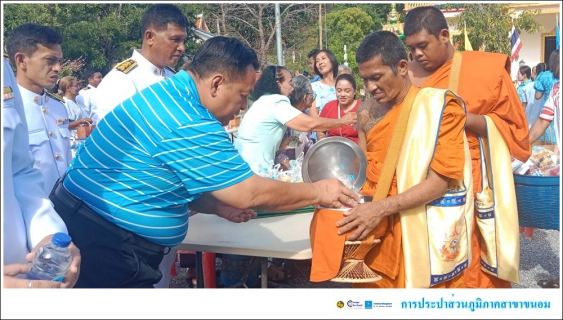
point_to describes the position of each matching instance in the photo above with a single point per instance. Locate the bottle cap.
(61, 239)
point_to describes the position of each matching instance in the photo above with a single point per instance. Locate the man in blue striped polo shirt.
(127, 194)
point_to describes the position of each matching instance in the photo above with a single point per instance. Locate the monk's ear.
(403, 67)
(444, 36)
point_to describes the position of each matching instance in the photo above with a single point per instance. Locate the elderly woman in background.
(264, 124)
(344, 69)
(77, 115)
(346, 102)
(302, 99)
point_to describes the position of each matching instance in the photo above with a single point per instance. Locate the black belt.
(76, 205)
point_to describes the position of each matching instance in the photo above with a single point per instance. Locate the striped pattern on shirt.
(152, 155)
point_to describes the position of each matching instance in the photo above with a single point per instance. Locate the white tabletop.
(285, 237)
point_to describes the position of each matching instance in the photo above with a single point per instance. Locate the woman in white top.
(77, 115)
(261, 131)
(326, 66)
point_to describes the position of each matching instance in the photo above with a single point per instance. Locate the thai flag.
(515, 43)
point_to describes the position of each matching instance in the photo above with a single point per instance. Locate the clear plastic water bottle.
(52, 260)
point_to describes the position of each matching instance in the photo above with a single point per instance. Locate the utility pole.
(320, 26)
(278, 35)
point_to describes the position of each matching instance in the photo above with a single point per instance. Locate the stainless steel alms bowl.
(335, 157)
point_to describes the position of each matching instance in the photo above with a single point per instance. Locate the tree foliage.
(254, 24)
(488, 25)
(348, 27)
(96, 33)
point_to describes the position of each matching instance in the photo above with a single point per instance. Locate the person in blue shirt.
(311, 57)
(161, 153)
(543, 84)
(524, 77)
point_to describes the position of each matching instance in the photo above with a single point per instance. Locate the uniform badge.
(54, 96)
(62, 121)
(126, 65)
(8, 93)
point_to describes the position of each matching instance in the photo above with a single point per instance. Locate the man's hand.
(333, 194)
(365, 217)
(12, 270)
(233, 214)
(71, 276)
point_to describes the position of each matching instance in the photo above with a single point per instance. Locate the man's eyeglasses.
(313, 94)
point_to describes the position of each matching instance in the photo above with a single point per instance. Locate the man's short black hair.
(553, 63)
(429, 18)
(385, 44)
(330, 55)
(313, 53)
(223, 55)
(268, 82)
(25, 38)
(160, 15)
(90, 73)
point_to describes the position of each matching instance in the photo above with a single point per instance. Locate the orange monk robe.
(486, 88)
(386, 258)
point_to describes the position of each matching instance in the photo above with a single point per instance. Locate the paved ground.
(539, 259)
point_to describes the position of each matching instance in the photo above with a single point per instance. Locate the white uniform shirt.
(28, 214)
(118, 85)
(86, 98)
(49, 137)
(75, 110)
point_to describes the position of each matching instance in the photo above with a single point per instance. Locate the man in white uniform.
(29, 217)
(38, 68)
(163, 28)
(86, 95)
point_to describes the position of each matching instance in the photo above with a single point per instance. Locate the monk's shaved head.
(429, 18)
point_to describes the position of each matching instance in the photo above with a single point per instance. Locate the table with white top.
(284, 237)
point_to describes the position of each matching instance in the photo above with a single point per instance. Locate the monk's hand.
(334, 194)
(233, 214)
(364, 218)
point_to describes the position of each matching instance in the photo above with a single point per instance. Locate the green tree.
(348, 27)
(254, 24)
(488, 25)
(96, 34)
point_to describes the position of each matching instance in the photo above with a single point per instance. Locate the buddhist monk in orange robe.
(485, 86)
(389, 84)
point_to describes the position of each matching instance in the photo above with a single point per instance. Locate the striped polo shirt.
(152, 155)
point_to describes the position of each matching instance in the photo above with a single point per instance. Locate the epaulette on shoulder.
(55, 96)
(171, 69)
(126, 66)
(6, 55)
